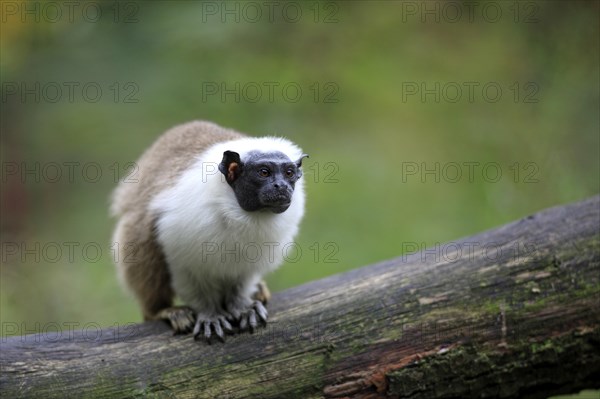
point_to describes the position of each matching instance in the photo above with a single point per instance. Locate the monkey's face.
(263, 181)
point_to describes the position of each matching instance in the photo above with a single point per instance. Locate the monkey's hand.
(245, 313)
(207, 324)
(248, 313)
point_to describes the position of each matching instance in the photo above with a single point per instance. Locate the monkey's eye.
(264, 172)
(290, 173)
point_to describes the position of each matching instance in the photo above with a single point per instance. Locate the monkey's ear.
(231, 166)
(299, 161)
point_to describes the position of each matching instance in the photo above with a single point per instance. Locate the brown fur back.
(141, 263)
(161, 164)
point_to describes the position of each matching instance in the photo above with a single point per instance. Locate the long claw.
(226, 325)
(196, 331)
(243, 323)
(218, 331)
(252, 319)
(207, 332)
(261, 310)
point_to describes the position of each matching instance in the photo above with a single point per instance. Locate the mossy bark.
(510, 312)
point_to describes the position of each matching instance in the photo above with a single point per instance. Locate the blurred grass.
(170, 54)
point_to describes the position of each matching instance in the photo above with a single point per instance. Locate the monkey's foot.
(263, 294)
(206, 325)
(181, 318)
(248, 316)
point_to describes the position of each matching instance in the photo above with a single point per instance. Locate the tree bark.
(511, 312)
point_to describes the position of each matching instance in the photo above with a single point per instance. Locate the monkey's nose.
(281, 188)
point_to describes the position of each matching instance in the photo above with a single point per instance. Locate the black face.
(264, 181)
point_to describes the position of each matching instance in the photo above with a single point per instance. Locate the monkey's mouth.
(278, 206)
(277, 201)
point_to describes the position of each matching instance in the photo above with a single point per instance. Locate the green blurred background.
(158, 64)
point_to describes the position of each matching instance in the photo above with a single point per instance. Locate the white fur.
(200, 215)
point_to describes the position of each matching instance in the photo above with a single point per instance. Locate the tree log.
(511, 312)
